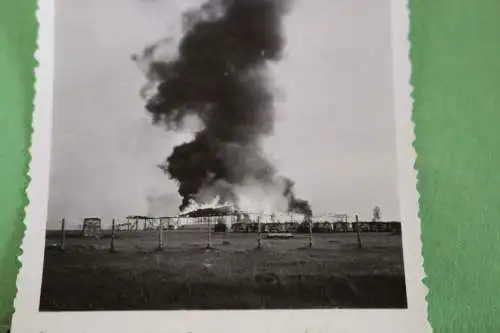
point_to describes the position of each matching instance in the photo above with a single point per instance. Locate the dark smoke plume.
(219, 76)
(294, 204)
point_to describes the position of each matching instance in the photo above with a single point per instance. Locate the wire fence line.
(92, 227)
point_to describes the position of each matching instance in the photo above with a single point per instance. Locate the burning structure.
(218, 75)
(231, 216)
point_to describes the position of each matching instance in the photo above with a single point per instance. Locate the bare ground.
(232, 275)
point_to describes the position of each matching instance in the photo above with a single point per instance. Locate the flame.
(215, 203)
(260, 203)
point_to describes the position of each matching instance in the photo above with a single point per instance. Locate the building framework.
(247, 221)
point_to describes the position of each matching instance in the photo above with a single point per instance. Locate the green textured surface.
(456, 75)
(456, 78)
(17, 45)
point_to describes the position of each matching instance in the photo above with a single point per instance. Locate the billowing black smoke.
(219, 76)
(294, 204)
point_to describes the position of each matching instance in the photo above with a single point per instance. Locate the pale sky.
(335, 130)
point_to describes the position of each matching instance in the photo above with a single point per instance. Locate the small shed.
(91, 227)
(135, 221)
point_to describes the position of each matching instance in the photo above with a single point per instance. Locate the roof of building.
(204, 212)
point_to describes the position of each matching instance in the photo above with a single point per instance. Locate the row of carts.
(318, 227)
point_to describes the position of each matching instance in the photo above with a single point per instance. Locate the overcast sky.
(335, 134)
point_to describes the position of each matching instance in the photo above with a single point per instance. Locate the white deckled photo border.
(28, 319)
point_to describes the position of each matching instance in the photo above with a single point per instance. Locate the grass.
(234, 275)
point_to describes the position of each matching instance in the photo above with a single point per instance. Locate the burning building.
(232, 217)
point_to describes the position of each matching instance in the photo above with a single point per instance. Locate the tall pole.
(259, 234)
(112, 247)
(310, 233)
(357, 232)
(160, 235)
(63, 233)
(209, 245)
(166, 230)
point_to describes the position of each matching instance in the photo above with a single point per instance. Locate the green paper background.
(455, 56)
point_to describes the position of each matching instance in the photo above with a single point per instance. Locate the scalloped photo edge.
(29, 319)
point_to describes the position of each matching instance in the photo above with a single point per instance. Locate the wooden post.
(112, 246)
(63, 233)
(259, 234)
(357, 232)
(166, 230)
(310, 234)
(160, 235)
(209, 245)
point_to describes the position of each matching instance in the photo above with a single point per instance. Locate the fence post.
(166, 231)
(310, 234)
(209, 245)
(357, 232)
(259, 233)
(63, 234)
(112, 247)
(160, 235)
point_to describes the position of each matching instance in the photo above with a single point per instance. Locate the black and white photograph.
(223, 159)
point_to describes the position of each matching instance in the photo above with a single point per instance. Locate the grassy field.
(233, 275)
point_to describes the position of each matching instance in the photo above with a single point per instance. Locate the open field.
(233, 275)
